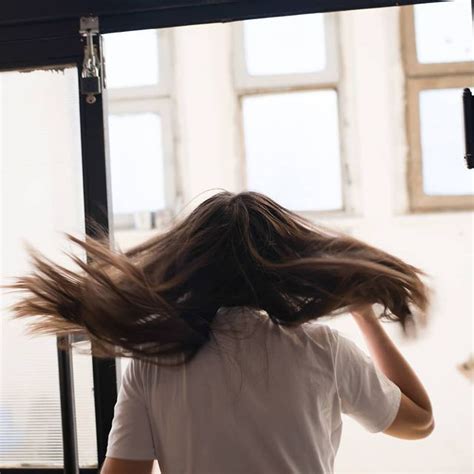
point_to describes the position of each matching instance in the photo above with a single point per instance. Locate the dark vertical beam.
(97, 197)
(105, 395)
(468, 106)
(68, 412)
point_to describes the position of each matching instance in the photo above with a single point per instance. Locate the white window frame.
(327, 78)
(160, 90)
(155, 99)
(247, 85)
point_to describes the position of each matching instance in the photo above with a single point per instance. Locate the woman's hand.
(414, 419)
(362, 312)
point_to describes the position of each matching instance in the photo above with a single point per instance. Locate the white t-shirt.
(264, 399)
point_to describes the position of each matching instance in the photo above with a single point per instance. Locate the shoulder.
(320, 332)
(338, 343)
(321, 336)
(140, 372)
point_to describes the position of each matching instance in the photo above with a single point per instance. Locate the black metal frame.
(42, 34)
(68, 409)
(183, 12)
(468, 108)
(97, 196)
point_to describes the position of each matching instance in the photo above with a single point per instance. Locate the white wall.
(375, 149)
(206, 109)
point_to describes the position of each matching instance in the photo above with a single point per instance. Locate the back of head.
(226, 253)
(160, 297)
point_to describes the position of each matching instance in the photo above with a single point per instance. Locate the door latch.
(92, 78)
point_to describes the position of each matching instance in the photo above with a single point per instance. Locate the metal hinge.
(92, 75)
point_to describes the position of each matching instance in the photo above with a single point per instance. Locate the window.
(139, 126)
(286, 75)
(41, 196)
(439, 63)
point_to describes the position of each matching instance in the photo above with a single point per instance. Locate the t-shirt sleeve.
(366, 393)
(131, 434)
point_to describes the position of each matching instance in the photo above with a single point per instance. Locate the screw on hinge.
(91, 75)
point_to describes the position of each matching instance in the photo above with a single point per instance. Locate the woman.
(230, 371)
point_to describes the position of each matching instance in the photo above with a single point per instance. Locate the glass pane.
(444, 32)
(137, 167)
(442, 143)
(131, 58)
(41, 197)
(292, 148)
(85, 408)
(294, 44)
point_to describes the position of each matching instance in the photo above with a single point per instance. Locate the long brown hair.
(159, 298)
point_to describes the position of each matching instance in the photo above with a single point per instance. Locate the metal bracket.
(92, 79)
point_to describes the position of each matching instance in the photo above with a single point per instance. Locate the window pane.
(41, 196)
(294, 44)
(85, 408)
(137, 167)
(292, 148)
(131, 58)
(444, 32)
(442, 143)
